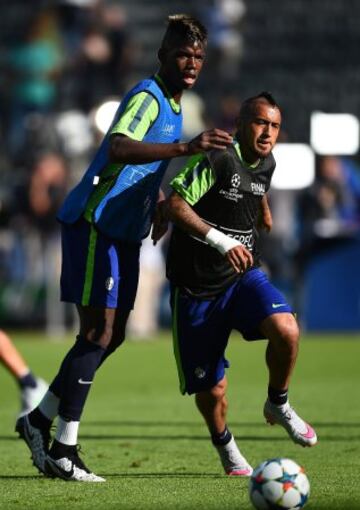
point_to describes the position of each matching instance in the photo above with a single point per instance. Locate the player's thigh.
(96, 270)
(200, 337)
(254, 299)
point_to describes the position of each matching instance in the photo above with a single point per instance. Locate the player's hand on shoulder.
(240, 258)
(208, 140)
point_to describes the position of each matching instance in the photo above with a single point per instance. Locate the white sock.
(67, 432)
(49, 405)
(230, 455)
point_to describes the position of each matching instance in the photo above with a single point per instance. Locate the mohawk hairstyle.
(186, 27)
(248, 104)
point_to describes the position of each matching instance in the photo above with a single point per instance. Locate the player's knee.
(115, 342)
(289, 334)
(102, 338)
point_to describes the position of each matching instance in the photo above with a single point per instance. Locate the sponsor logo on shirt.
(258, 188)
(169, 129)
(231, 194)
(245, 237)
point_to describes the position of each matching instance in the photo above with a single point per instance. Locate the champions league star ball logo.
(235, 181)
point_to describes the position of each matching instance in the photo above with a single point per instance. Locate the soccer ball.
(278, 484)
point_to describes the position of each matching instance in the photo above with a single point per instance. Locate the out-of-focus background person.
(64, 68)
(31, 388)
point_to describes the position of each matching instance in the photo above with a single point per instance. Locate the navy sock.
(277, 397)
(221, 439)
(38, 420)
(27, 381)
(75, 377)
(59, 450)
(55, 386)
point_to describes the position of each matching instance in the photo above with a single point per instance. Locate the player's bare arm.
(184, 216)
(160, 219)
(126, 150)
(265, 218)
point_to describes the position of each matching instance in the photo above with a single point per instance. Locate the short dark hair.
(247, 105)
(186, 27)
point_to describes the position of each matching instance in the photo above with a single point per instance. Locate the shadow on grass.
(339, 437)
(148, 437)
(190, 437)
(170, 424)
(23, 477)
(126, 475)
(166, 475)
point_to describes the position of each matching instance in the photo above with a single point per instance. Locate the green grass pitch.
(150, 444)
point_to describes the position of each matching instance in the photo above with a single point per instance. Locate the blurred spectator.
(47, 188)
(32, 388)
(144, 319)
(345, 176)
(30, 245)
(228, 110)
(193, 109)
(278, 246)
(35, 65)
(60, 59)
(100, 60)
(223, 19)
(329, 211)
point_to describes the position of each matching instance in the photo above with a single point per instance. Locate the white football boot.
(233, 462)
(70, 468)
(300, 432)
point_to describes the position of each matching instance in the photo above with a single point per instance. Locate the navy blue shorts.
(96, 270)
(201, 328)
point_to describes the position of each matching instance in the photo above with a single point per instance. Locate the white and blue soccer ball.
(278, 484)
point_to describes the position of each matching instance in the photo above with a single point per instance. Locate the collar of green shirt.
(243, 162)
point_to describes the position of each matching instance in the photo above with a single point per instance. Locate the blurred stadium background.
(64, 67)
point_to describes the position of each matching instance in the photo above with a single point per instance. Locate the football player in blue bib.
(104, 218)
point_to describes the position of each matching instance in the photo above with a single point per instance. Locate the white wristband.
(220, 241)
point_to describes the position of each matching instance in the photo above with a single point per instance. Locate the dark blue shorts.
(201, 328)
(97, 270)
